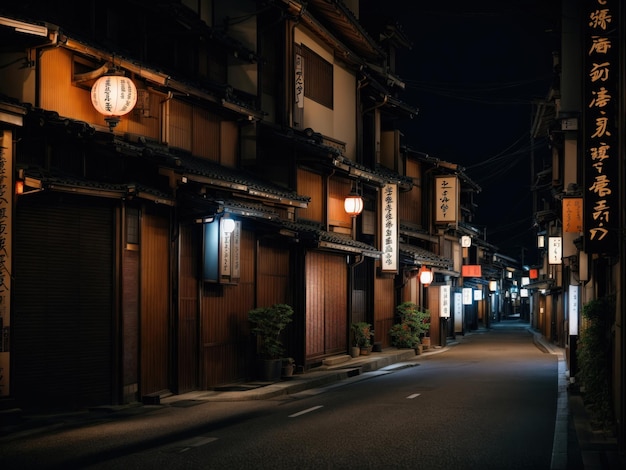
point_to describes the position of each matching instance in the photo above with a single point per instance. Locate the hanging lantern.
(353, 203)
(228, 225)
(425, 275)
(113, 96)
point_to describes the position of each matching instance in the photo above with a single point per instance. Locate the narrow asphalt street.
(141, 436)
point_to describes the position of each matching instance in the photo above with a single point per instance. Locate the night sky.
(474, 71)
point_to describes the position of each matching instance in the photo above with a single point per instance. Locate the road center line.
(415, 395)
(194, 442)
(308, 410)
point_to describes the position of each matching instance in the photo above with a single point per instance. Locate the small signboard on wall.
(446, 199)
(444, 301)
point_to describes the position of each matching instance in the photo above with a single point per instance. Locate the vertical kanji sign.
(6, 231)
(446, 199)
(389, 227)
(600, 135)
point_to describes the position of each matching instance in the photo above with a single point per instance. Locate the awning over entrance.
(36, 180)
(316, 237)
(417, 256)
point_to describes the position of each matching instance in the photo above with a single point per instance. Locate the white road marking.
(415, 395)
(194, 442)
(305, 411)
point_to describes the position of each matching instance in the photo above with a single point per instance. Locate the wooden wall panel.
(180, 125)
(229, 143)
(384, 309)
(226, 349)
(314, 305)
(273, 276)
(433, 305)
(206, 137)
(148, 124)
(326, 304)
(311, 184)
(335, 304)
(188, 309)
(155, 303)
(57, 92)
(410, 204)
(130, 323)
(338, 189)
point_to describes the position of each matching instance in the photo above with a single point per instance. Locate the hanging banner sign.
(572, 300)
(389, 228)
(573, 214)
(6, 230)
(600, 134)
(299, 81)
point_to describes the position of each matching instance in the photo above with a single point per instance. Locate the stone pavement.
(576, 446)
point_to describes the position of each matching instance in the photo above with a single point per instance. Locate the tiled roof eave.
(200, 170)
(328, 240)
(45, 181)
(422, 256)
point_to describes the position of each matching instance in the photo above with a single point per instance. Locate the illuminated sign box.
(471, 270)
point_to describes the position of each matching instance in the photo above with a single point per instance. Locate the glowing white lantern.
(353, 205)
(113, 96)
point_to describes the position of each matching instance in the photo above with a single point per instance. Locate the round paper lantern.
(113, 96)
(353, 204)
(426, 275)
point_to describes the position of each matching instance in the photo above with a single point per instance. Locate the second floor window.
(318, 78)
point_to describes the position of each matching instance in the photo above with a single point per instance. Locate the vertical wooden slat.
(130, 323)
(273, 276)
(206, 135)
(383, 309)
(188, 310)
(335, 304)
(154, 303)
(229, 143)
(180, 128)
(326, 304)
(311, 184)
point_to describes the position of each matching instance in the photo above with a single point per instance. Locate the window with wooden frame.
(318, 78)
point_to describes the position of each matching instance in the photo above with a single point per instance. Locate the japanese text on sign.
(446, 199)
(389, 228)
(600, 136)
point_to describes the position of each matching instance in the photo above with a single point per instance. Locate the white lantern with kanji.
(113, 96)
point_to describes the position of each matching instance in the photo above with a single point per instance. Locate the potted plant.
(288, 366)
(267, 325)
(362, 332)
(414, 321)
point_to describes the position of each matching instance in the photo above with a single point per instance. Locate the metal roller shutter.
(63, 301)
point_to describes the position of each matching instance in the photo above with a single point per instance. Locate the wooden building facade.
(125, 285)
